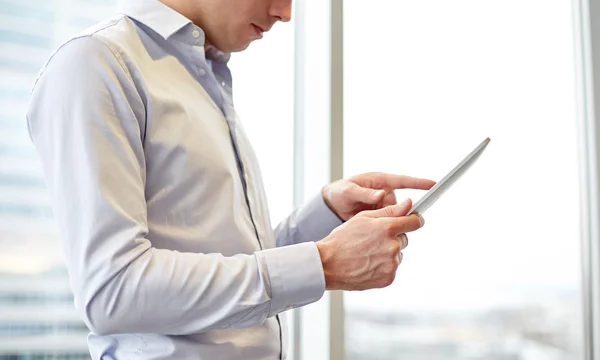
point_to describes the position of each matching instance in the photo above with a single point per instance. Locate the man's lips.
(260, 29)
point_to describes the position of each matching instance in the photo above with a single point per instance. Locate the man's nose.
(281, 10)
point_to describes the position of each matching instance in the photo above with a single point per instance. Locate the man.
(159, 200)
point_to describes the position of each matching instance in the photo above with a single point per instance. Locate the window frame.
(586, 22)
(318, 112)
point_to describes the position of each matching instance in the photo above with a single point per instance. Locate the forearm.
(167, 292)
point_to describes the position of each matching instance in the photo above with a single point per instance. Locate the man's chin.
(231, 47)
(241, 46)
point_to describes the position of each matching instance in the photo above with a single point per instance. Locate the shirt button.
(196, 34)
(201, 72)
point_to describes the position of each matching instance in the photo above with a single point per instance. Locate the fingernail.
(404, 203)
(422, 219)
(378, 193)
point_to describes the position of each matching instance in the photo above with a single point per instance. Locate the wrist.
(326, 254)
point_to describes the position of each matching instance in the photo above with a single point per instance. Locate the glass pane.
(495, 272)
(37, 318)
(263, 90)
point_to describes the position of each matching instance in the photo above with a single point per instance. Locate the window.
(495, 272)
(263, 90)
(37, 319)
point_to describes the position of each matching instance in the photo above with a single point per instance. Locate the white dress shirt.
(158, 197)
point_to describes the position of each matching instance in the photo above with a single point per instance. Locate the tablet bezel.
(440, 187)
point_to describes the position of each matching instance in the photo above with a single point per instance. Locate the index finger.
(406, 182)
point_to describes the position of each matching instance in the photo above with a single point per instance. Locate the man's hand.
(370, 191)
(364, 253)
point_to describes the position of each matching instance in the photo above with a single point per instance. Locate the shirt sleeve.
(311, 222)
(87, 120)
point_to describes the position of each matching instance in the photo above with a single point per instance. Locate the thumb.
(400, 209)
(366, 195)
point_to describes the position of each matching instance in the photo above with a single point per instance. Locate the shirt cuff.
(316, 220)
(294, 275)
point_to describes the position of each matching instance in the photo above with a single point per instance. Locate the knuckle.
(385, 279)
(381, 283)
(395, 247)
(390, 229)
(411, 223)
(417, 221)
(345, 190)
(388, 211)
(390, 267)
(389, 280)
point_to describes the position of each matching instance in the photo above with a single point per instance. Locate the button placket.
(200, 63)
(198, 45)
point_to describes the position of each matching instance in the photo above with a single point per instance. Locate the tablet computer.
(443, 185)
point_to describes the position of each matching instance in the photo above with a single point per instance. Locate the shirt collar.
(167, 22)
(155, 15)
